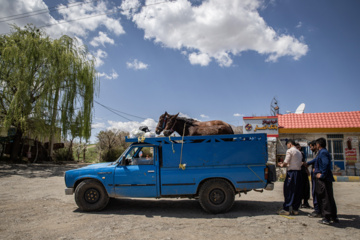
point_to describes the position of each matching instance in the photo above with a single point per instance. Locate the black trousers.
(306, 186)
(325, 197)
(313, 193)
(292, 190)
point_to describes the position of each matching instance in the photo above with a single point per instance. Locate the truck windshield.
(119, 159)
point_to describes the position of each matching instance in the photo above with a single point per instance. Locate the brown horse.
(191, 127)
(162, 123)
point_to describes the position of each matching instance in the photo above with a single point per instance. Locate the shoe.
(283, 212)
(334, 220)
(314, 214)
(305, 205)
(295, 212)
(324, 221)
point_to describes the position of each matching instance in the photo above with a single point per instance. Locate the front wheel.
(216, 196)
(90, 195)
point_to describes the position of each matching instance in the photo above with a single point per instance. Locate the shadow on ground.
(191, 209)
(185, 208)
(36, 170)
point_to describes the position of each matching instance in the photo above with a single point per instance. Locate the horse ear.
(177, 115)
(166, 113)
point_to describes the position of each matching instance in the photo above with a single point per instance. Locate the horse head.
(162, 123)
(171, 122)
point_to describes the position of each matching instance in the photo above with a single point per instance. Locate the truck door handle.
(151, 171)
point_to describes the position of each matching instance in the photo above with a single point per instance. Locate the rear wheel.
(216, 196)
(90, 195)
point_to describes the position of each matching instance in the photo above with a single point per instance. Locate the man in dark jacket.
(323, 184)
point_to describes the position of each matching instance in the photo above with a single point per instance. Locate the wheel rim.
(92, 195)
(217, 196)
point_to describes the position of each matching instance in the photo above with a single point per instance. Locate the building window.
(336, 149)
(335, 136)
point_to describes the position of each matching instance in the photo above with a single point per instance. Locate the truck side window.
(141, 156)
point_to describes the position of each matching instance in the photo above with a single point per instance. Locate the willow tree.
(45, 84)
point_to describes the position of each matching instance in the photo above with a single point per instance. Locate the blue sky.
(211, 59)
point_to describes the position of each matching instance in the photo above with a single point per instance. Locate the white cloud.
(187, 116)
(184, 115)
(238, 115)
(299, 25)
(215, 30)
(128, 126)
(101, 39)
(112, 75)
(91, 14)
(202, 59)
(82, 20)
(16, 7)
(99, 55)
(129, 7)
(136, 65)
(204, 116)
(98, 125)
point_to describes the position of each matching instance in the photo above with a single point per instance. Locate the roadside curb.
(347, 178)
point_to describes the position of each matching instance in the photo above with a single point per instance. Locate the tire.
(90, 195)
(216, 196)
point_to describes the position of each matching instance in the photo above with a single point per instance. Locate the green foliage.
(92, 155)
(63, 155)
(111, 155)
(45, 83)
(111, 139)
(111, 144)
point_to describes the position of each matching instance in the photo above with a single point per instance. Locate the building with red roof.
(340, 129)
(333, 122)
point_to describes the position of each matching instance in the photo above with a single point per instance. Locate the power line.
(42, 11)
(73, 20)
(91, 16)
(120, 111)
(115, 112)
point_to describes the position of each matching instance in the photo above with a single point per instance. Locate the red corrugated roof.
(320, 120)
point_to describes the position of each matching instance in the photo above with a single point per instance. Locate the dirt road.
(34, 206)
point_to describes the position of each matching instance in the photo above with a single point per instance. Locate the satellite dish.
(300, 109)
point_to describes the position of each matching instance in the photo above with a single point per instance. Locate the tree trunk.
(2, 150)
(14, 155)
(85, 145)
(70, 151)
(78, 151)
(53, 124)
(37, 150)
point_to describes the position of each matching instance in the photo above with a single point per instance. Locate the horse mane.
(188, 121)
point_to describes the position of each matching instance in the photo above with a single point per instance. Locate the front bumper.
(69, 191)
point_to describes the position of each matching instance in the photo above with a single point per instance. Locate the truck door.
(137, 176)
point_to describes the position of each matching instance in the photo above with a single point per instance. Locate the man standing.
(323, 184)
(316, 212)
(305, 180)
(293, 180)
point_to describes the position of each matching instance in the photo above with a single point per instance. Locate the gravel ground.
(34, 206)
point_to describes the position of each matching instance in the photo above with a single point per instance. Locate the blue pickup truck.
(209, 168)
